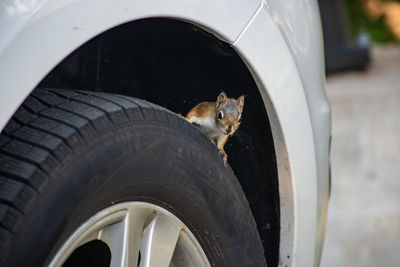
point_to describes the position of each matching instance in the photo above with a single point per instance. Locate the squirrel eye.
(220, 115)
(240, 118)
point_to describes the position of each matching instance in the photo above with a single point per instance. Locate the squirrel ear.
(222, 97)
(240, 102)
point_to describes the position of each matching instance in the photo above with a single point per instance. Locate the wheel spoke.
(136, 219)
(124, 237)
(137, 227)
(114, 236)
(159, 241)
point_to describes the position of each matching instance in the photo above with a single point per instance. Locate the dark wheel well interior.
(177, 65)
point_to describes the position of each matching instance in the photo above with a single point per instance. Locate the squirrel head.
(228, 113)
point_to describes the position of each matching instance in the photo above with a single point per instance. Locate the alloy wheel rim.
(136, 228)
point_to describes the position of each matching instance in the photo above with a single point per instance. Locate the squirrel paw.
(225, 157)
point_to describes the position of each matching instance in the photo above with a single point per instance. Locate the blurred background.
(362, 54)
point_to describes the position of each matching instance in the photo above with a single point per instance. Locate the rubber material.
(66, 155)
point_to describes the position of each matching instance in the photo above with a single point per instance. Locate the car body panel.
(300, 24)
(284, 96)
(281, 47)
(43, 32)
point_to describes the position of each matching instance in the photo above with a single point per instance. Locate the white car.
(98, 169)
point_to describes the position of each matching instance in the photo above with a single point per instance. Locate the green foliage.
(359, 21)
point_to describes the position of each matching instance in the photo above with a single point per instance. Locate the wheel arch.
(43, 32)
(176, 65)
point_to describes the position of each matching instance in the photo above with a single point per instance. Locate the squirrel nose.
(229, 129)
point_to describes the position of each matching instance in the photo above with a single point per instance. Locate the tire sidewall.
(151, 163)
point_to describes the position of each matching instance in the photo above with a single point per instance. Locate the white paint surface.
(37, 34)
(291, 125)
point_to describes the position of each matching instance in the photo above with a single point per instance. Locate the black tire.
(66, 155)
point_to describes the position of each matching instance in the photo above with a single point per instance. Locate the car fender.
(37, 35)
(270, 59)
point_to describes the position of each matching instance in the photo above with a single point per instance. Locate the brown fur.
(218, 120)
(202, 110)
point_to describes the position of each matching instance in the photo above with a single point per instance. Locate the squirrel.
(218, 120)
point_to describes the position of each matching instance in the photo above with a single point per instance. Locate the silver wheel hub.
(134, 228)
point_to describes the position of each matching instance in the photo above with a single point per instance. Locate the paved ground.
(364, 215)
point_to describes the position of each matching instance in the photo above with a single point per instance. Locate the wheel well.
(177, 65)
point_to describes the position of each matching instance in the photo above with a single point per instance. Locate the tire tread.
(49, 127)
(53, 125)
